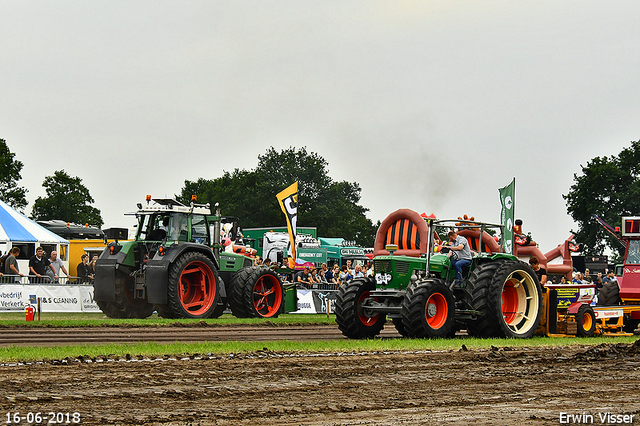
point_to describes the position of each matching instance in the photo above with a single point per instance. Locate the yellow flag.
(288, 200)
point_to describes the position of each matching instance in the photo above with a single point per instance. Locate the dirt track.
(499, 386)
(198, 332)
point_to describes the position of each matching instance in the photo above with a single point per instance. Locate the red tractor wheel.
(428, 310)
(256, 292)
(354, 318)
(193, 286)
(509, 297)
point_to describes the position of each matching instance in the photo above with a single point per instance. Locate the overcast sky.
(428, 105)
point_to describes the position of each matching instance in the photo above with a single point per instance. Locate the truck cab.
(628, 275)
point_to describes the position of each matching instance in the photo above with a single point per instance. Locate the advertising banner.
(53, 298)
(86, 299)
(305, 302)
(57, 298)
(313, 255)
(315, 301)
(507, 200)
(12, 298)
(288, 200)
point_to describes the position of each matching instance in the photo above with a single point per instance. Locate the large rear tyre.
(192, 291)
(353, 318)
(256, 292)
(125, 305)
(586, 321)
(609, 294)
(509, 300)
(428, 310)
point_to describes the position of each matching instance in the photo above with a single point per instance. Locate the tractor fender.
(157, 270)
(575, 307)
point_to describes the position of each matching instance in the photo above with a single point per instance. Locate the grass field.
(154, 350)
(63, 319)
(179, 350)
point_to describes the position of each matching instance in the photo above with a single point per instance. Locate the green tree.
(332, 207)
(67, 199)
(610, 188)
(10, 168)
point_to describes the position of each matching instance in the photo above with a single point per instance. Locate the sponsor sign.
(59, 298)
(314, 255)
(352, 252)
(608, 313)
(568, 296)
(86, 299)
(53, 298)
(507, 200)
(383, 278)
(586, 295)
(315, 301)
(12, 298)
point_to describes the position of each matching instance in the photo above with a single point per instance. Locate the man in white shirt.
(57, 266)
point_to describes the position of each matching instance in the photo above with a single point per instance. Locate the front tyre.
(428, 310)
(354, 319)
(192, 291)
(586, 321)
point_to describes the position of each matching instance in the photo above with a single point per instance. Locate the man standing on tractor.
(459, 254)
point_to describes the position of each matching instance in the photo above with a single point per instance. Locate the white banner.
(315, 301)
(53, 298)
(86, 299)
(12, 298)
(305, 302)
(57, 298)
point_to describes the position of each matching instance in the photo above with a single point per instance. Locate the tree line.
(606, 186)
(67, 198)
(610, 188)
(331, 206)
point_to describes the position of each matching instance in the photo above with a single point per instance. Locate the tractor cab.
(629, 274)
(170, 220)
(167, 222)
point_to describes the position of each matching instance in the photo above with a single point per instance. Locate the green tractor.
(415, 286)
(178, 267)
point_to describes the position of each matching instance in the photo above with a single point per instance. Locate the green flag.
(507, 200)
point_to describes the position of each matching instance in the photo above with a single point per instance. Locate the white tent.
(18, 230)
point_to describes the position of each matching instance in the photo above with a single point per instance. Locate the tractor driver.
(459, 254)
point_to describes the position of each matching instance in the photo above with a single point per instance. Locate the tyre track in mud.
(500, 386)
(49, 336)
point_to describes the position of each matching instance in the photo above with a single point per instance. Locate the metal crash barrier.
(33, 279)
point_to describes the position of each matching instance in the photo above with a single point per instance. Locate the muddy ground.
(501, 386)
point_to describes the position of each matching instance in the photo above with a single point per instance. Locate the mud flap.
(104, 285)
(156, 280)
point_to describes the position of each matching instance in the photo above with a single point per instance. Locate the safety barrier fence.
(45, 279)
(68, 296)
(53, 297)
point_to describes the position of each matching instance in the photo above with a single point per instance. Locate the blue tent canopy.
(16, 227)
